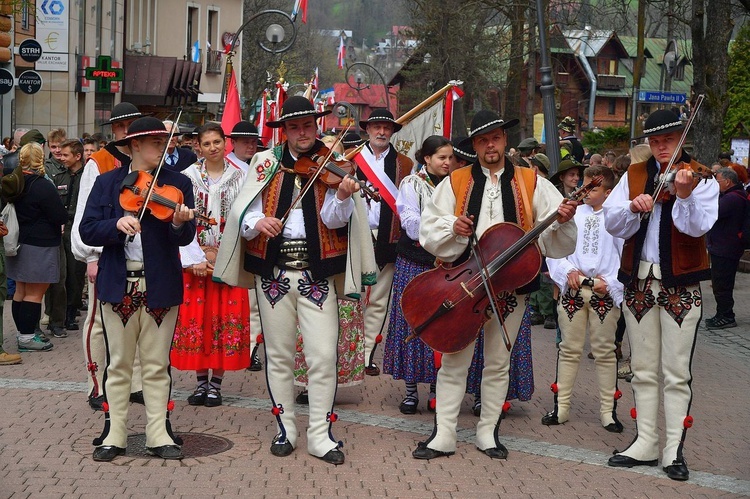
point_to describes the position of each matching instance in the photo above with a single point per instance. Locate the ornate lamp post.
(278, 24)
(343, 109)
(362, 74)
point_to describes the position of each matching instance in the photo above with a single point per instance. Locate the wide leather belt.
(588, 281)
(293, 254)
(135, 273)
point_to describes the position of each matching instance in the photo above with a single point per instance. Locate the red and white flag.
(342, 52)
(266, 133)
(278, 136)
(300, 6)
(316, 80)
(232, 112)
(453, 95)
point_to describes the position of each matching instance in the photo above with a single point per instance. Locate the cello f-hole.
(449, 278)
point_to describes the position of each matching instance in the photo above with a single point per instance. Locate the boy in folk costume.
(490, 191)
(139, 286)
(664, 259)
(590, 299)
(297, 268)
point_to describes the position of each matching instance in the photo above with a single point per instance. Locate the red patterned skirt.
(213, 328)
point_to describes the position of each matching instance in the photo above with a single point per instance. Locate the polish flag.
(453, 95)
(342, 52)
(232, 114)
(266, 133)
(300, 6)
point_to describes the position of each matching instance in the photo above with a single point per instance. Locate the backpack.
(10, 240)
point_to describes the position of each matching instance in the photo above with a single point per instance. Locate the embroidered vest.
(107, 159)
(326, 247)
(517, 186)
(684, 259)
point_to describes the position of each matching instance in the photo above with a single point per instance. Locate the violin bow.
(150, 190)
(663, 180)
(484, 273)
(313, 178)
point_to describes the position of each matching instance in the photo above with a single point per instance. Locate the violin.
(333, 171)
(164, 198)
(668, 192)
(447, 307)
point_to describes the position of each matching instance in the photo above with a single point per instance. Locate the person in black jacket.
(725, 247)
(40, 215)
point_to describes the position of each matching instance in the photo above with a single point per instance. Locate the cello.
(447, 307)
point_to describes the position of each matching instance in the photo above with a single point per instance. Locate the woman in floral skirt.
(414, 361)
(213, 331)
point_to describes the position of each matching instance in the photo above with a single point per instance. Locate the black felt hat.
(244, 129)
(294, 108)
(124, 111)
(144, 127)
(463, 149)
(661, 122)
(380, 115)
(352, 139)
(486, 121)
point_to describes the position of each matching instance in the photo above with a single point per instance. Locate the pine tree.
(739, 86)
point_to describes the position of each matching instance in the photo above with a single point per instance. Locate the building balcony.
(214, 59)
(610, 82)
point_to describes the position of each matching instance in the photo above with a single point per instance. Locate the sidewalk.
(45, 438)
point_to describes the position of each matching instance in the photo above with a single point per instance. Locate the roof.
(654, 49)
(591, 42)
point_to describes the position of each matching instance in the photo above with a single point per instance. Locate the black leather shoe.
(476, 409)
(281, 450)
(137, 398)
(678, 470)
(550, 419)
(621, 461)
(424, 452)
(615, 427)
(96, 402)
(106, 453)
(213, 398)
(165, 452)
(499, 452)
(408, 408)
(303, 398)
(372, 370)
(198, 397)
(255, 364)
(333, 456)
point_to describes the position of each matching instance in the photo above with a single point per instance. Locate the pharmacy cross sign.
(103, 73)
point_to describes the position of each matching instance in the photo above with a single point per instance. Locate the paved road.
(45, 438)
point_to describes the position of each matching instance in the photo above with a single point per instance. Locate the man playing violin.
(663, 261)
(296, 255)
(475, 198)
(139, 285)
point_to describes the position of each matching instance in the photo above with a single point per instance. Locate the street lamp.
(275, 34)
(362, 79)
(343, 109)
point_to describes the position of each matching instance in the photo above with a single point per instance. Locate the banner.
(409, 139)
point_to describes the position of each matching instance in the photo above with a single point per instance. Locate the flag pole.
(429, 101)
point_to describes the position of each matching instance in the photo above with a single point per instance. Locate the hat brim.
(124, 117)
(296, 116)
(396, 126)
(556, 177)
(675, 127)
(148, 133)
(494, 125)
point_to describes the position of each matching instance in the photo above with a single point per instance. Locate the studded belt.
(293, 254)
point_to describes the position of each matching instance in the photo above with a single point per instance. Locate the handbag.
(10, 240)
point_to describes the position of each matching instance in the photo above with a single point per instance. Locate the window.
(192, 34)
(213, 28)
(606, 66)
(679, 72)
(25, 15)
(612, 105)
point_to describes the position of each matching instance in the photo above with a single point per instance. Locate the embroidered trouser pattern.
(451, 380)
(662, 324)
(95, 352)
(128, 327)
(579, 311)
(289, 297)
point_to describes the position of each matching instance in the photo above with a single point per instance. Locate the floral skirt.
(351, 347)
(521, 384)
(412, 361)
(213, 328)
